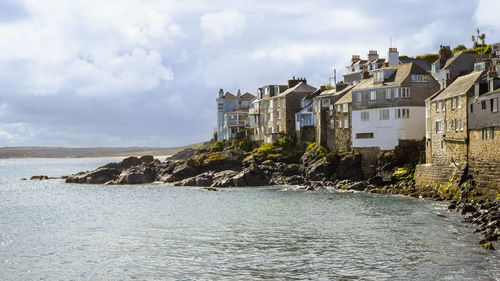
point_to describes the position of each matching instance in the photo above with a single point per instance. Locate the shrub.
(265, 149)
(459, 48)
(310, 145)
(218, 146)
(321, 151)
(406, 173)
(244, 145)
(286, 143)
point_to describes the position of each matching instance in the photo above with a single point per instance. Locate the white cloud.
(486, 14)
(90, 47)
(222, 25)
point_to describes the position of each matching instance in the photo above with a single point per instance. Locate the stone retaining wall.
(435, 174)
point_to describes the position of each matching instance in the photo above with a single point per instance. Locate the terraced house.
(325, 114)
(343, 121)
(449, 66)
(390, 106)
(232, 113)
(277, 110)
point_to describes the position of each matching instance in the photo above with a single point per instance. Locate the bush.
(285, 143)
(406, 173)
(245, 146)
(218, 146)
(459, 48)
(309, 146)
(429, 58)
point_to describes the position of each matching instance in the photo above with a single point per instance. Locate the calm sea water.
(50, 230)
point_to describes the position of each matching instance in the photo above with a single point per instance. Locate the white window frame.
(346, 123)
(461, 125)
(358, 97)
(388, 94)
(459, 102)
(345, 107)
(373, 95)
(384, 114)
(439, 127)
(494, 105)
(365, 115)
(338, 108)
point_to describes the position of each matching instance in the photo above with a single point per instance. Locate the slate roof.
(247, 96)
(228, 95)
(347, 98)
(460, 86)
(301, 85)
(402, 72)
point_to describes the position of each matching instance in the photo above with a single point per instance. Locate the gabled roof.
(460, 86)
(300, 86)
(228, 95)
(347, 97)
(444, 64)
(247, 96)
(312, 95)
(402, 72)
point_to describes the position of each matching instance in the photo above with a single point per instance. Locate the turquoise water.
(50, 230)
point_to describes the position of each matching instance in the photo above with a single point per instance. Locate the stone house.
(446, 121)
(256, 123)
(304, 119)
(230, 116)
(390, 106)
(343, 121)
(449, 66)
(324, 112)
(277, 111)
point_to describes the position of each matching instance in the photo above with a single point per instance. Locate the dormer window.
(378, 77)
(435, 67)
(419, 78)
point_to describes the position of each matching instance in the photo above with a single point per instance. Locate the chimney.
(340, 86)
(294, 81)
(221, 93)
(372, 55)
(445, 52)
(365, 74)
(355, 58)
(393, 57)
(239, 93)
(322, 88)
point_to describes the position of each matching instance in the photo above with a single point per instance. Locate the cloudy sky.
(147, 72)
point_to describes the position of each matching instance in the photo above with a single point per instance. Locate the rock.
(376, 180)
(139, 175)
(23, 179)
(182, 155)
(468, 208)
(99, 176)
(294, 180)
(209, 189)
(188, 182)
(249, 177)
(39, 178)
(223, 179)
(359, 186)
(487, 246)
(183, 171)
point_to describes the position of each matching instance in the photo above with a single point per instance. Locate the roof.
(402, 72)
(420, 62)
(300, 85)
(347, 98)
(228, 95)
(460, 86)
(247, 96)
(313, 94)
(444, 64)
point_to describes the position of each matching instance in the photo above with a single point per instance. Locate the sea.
(50, 230)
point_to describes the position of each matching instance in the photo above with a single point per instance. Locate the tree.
(476, 38)
(459, 48)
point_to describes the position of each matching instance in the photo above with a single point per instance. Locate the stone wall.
(343, 136)
(439, 174)
(369, 160)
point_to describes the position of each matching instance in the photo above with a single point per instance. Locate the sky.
(147, 72)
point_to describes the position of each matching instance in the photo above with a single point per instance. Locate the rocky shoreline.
(283, 163)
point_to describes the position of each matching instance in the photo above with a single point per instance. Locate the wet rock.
(209, 189)
(224, 178)
(39, 178)
(487, 246)
(468, 208)
(250, 177)
(99, 176)
(376, 180)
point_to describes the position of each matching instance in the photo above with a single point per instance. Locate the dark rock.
(487, 246)
(209, 189)
(468, 208)
(376, 180)
(136, 175)
(249, 177)
(294, 180)
(39, 178)
(182, 155)
(99, 176)
(223, 179)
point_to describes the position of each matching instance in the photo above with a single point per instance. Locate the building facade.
(232, 113)
(390, 106)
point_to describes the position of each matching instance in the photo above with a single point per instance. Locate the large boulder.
(99, 176)
(223, 179)
(249, 177)
(137, 175)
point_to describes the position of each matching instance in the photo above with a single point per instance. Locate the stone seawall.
(486, 177)
(435, 174)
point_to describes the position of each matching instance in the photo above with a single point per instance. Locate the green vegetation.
(478, 37)
(283, 145)
(429, 58)
(459, 48)
(320, 150)
(218, 146)
(498, 197)
(246, 146)
(310, 145)
(406, 173)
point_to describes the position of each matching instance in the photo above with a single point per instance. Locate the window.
(397, 92)
(406, 112)
(397, 113)
(471, 107)
(276, 90)
(419, 78)
(278, 128)
(447, 125)
(401, 113)
(332, 124)
(384, 114)
(331, 112)
(439, 129)
(358, 97)
(494, 105)
(388, 94)
(459, 102)
(437, 106)
(338, 107)
(365, 115)
(483, 105)
(443, 106)
(373, 95)
(364, 136)
(279, 115)
(271, 103)
(340, 124)
(271, 116)
(345, 107)
(346, 123)
(326, 102)
(456, 125)
(405, 92)
(461, 125)
(452, 103)
(492, 132)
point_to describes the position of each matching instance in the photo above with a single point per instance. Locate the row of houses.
(452, 104)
